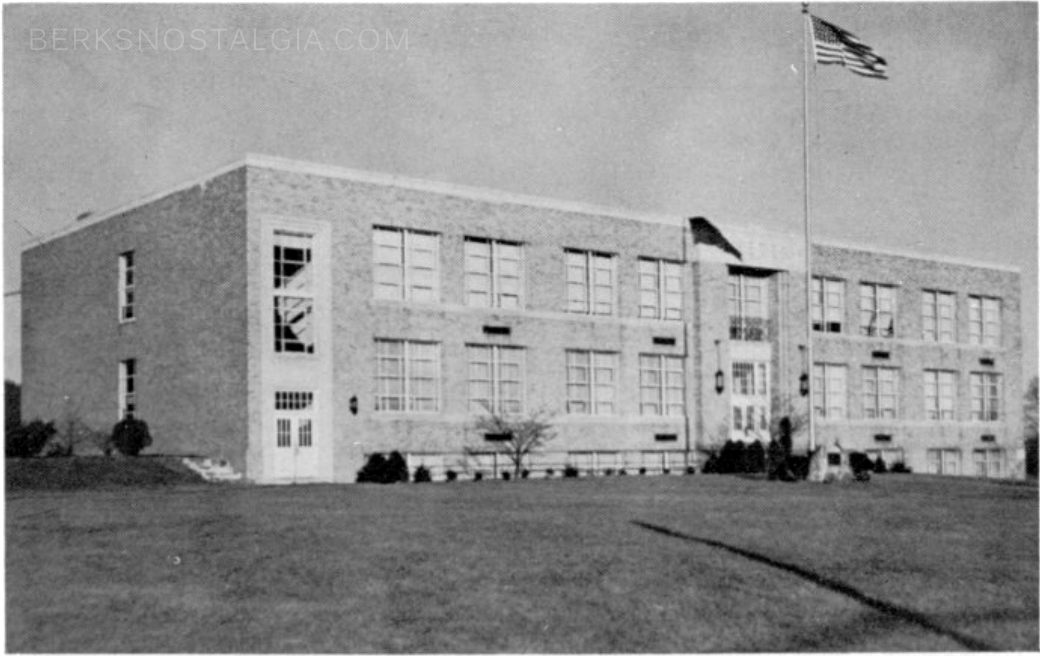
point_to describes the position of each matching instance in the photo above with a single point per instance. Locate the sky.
(675, 109)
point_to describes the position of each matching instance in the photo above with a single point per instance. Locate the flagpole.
(809, 365)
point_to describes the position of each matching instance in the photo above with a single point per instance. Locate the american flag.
(833, 45)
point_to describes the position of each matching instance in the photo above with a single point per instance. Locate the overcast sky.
(681, 109)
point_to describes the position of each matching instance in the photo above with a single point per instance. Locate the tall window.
(661, 385)
(592, 382)
(127, 388)
(494, 273)
(750, 397)
(828, 305)
(938, 317)
(985, 397)
(293, 293)
(660, 289)
(407, 265)
(748, 313)
(943, 461)
(984, 320)
(496, 379)
(829, 395)
(407, 376)
(940, 390)
(877, 310)
(880, 391)
(126, 286)
(591, 285)
(988, 462)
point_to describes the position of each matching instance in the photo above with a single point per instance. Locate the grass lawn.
(554, 566)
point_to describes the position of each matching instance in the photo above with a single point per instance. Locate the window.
(126, 286)
(828, 305)
(877, 310)
(985, 397)
(660, 289)
(988, 462)
(661, 385)
(293, 293)
(829, 396)
(943, 461)
(940, 390)
(496, 379)
(591, 382)
(888, 456)
(407, 265)
(984, 320)
(407, 376)
(747, 307)
(293, 400)
(938, 317)
(494, 273)
(590, 282)
(127, 388)
(750, 398)
(880, 390)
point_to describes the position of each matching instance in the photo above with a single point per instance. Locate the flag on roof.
(833, 45)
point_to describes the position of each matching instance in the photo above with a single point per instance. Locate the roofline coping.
(481, 194)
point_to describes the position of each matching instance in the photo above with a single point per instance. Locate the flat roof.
(485, 195)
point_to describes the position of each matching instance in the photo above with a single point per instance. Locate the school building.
(293, 318)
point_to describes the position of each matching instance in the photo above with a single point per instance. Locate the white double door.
(295, 452)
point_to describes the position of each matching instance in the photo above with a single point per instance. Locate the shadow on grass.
(898, 612)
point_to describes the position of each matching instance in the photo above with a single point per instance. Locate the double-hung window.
(126, 286)
(660, 289)
(938, 317)
(293, 293)
(984, 320)
(988, 462)
(940, 391)
(828, 305)
(407, 265)
(496, 379)
(750, 397)
(591, 282)
(592, 382)
(985, 396)
(946, 462)
(494, 273)
(829, 390)
(880, 392)
(661, 385)
(407, 376)
(877, 310)
(127, 388)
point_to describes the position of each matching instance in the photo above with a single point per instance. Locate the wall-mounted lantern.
(803, 384)
(353, 405)
(720, 377)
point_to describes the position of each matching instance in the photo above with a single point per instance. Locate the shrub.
(754, 458)
(711, 465)
(622, 472)
(525, 473)
(642, 471)
(860, 462)
(609, 471)
(505, 476)
(422, 475)
(27, 441)
(731, 458)
(374, 469)
(690, 470)
(570, 472)
(478, 476)
(396, 468)
(799, 466)
(131, 436)
(450, 475)
(549, 472)
(900, 468)
(665, 470)
(879, 466)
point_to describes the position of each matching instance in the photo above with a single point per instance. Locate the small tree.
(27, 441)
(514, 436)
(131, 436)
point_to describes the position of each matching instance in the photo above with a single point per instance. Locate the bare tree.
(514, 436)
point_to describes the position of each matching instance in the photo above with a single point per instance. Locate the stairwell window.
(877, 310)
(127, 388)
(660, 289)
(126, 287)
(494, 273)
(748, 312)
(293, 293)
(407, 265)
(591, 282)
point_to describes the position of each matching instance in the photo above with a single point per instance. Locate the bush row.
(129, 437)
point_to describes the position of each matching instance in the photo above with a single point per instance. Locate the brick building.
(293, 318)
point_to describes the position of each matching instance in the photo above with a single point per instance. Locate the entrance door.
(295, 453)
